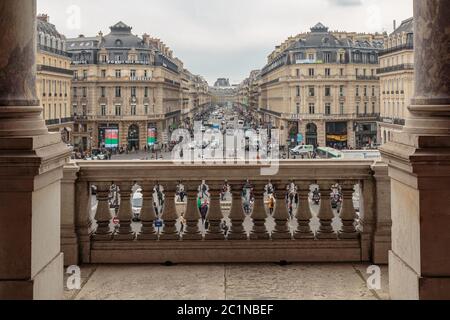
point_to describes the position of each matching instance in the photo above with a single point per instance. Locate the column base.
(48, 284)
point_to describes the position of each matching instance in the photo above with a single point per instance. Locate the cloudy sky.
(223, 38)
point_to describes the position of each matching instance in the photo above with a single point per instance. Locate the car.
(302, 149)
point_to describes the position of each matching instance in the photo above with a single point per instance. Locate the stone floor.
(228, 282)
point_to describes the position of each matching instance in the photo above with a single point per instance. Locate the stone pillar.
(148, 215)
(103, 215)
(326, 214)
(282, 228)
(259, 215)
(69, 238)
(125, 215)
(192, 216)
(237, 216)
(419, 167)
(214, 215)
(31, 168)
(169, 215)
(304, 214)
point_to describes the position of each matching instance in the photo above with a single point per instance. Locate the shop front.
(337, 135)
(108, 136)
(366, 134)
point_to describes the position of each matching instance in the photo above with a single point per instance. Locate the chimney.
(395, 25)
(43, 17)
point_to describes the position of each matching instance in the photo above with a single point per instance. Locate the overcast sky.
(223, 38)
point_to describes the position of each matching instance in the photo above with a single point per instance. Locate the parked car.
(302, 149)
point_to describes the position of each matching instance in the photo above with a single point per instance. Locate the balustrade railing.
(243, 222)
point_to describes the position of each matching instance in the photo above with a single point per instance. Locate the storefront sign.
(151, 139)
(111, 138)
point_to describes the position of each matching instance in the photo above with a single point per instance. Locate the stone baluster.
(326, 214)
(148, 215)
(304, 214)
(348, 214)
(169, 215)
(282, 230)
(215, 215)
(259, 215)
(103, 213)
(237, 216)
(192, 216)
(125, 213)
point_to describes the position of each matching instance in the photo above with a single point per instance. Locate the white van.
(299, 150)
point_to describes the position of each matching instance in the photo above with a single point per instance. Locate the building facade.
(322, 89)
(396, 74)
(127, 90)
(54, 77)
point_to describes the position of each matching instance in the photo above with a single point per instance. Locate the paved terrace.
(228, 282)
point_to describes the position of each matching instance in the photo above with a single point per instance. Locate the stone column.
(214, 215)
(304, 214)
(148, 215)
(326, 214)
(170, 215)
(282, 229)
(237, 216)
(103, 215)
(125, 213)
(259, 215)
(419, 167)
(192, 216)
(31, 168)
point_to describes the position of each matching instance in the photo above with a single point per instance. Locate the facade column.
(31, 168)
(419, 167)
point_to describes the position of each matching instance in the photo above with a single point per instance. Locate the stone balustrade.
(297, 229)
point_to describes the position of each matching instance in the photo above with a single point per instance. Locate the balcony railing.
(407, 46)
(43, 67)
(368, 78)
(67, 120)
(52, 122)
(400, 67)
(101, 228)
(55, 51)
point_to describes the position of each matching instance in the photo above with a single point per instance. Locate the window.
(133, 92)
(145, 74)
(357, 72)
(85, 74)
(103, 73)
(312, 108)
(118, 92)
(133, 74)
(365, 91)
(311, 92)
(298, 72)
(327, 109)
(146, 109)
(327, 57)
(327, 72)
(133, 109)
(84, 92)
(365, 108)
(311, 56)
(357, 109)
(118, 74)
(103, 92)
(327, 91)
(341, 108)
(373, 91)
(341, 72)
(118, 110)
(311, 72)
(298, 108)
(103, 110)
(341, 91)
(297, 88)
(75, 92)
(146, 92)
(75, 75)
(373, 107)
(357, 91)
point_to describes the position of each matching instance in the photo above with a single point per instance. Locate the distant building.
(222, 82)
(396, 74)
(54, 77)
(324, 87)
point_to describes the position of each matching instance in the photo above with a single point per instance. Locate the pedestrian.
(271, 204)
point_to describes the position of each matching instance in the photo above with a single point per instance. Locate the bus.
(328, 153)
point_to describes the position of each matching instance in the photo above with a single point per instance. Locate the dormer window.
(118, 43)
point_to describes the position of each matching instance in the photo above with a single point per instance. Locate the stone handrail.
(300, 235)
